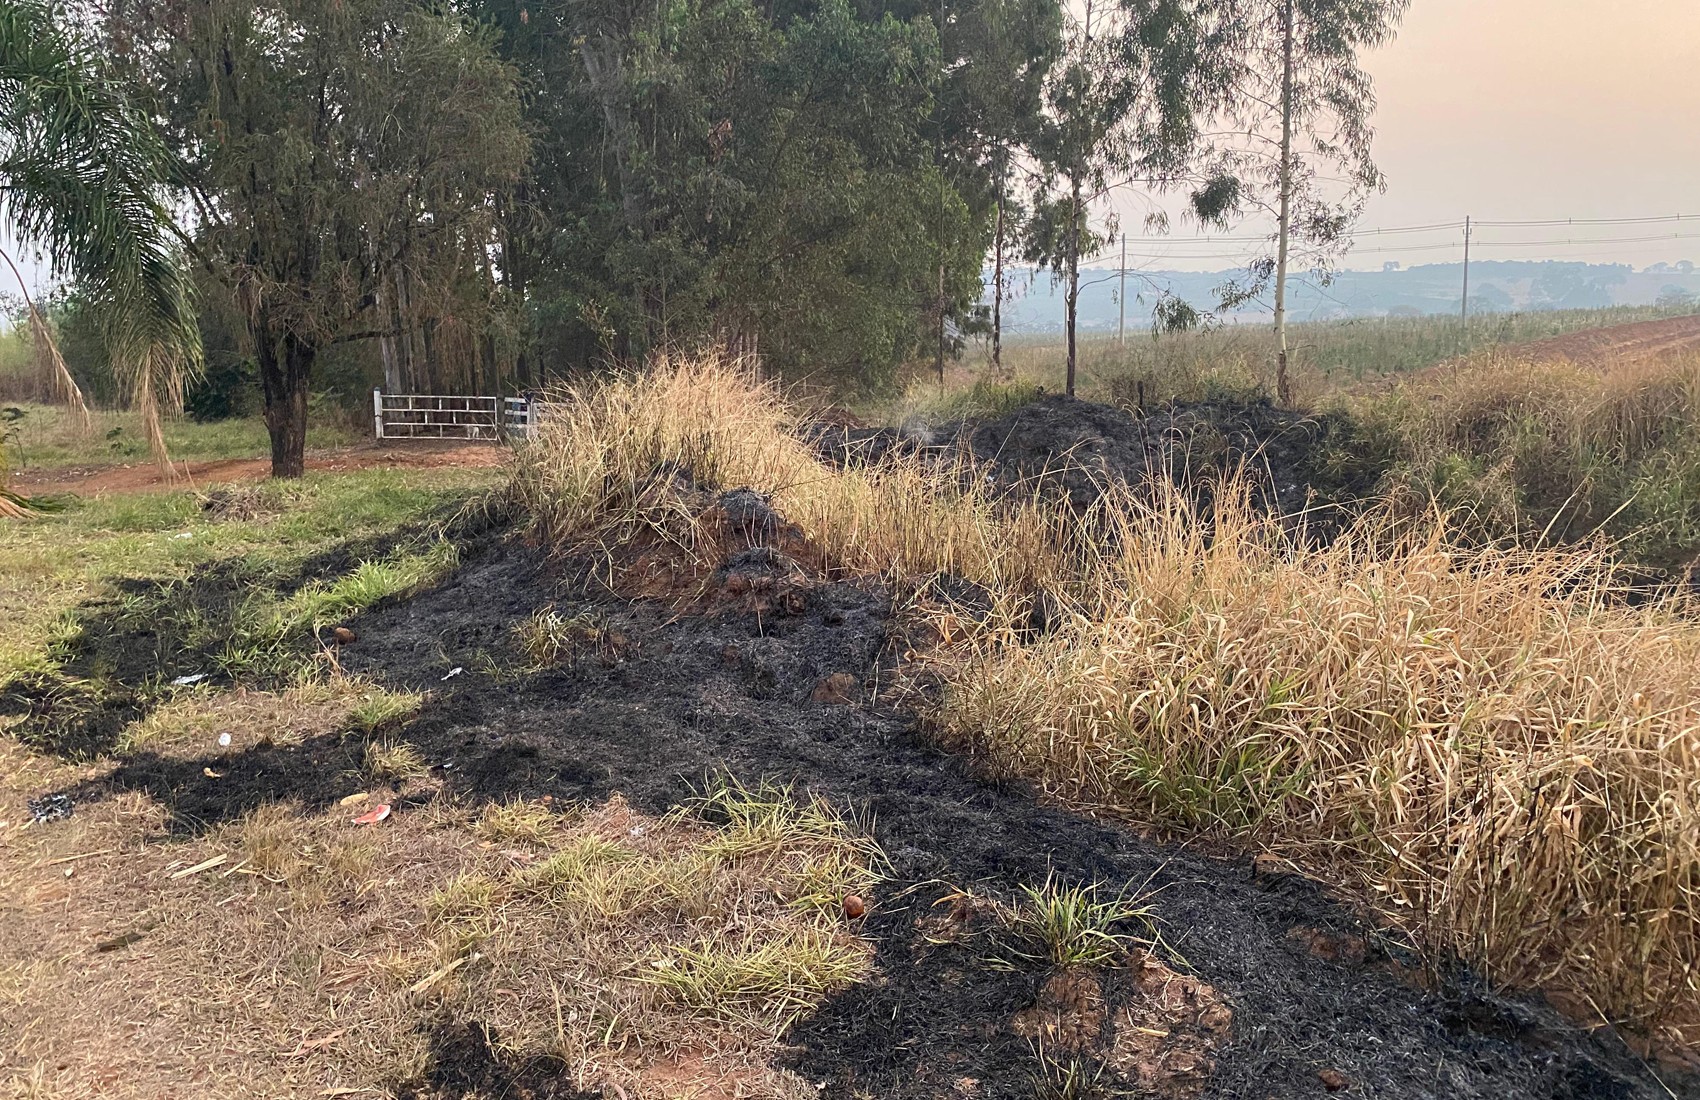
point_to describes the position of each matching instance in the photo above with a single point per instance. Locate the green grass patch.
(47, 437)
(52, 565)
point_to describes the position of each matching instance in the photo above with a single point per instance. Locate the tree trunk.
(938, 353)
(286, 367)
(997, 279)
(1072, 298)
(1283, 383)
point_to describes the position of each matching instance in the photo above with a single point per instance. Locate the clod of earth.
(838, 688)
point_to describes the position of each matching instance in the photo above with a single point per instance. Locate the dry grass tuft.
(394, 762)
(1555, 450)
(1487, 740)
(616, 461)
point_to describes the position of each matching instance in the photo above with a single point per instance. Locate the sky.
(1517, 110)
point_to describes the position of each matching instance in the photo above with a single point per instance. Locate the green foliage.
(346, 161)
(81, 169)
(796, 180)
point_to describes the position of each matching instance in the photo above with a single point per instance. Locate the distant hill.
(1495, 286)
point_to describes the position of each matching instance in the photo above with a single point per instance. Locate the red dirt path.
(1615, 343)
(146, 476)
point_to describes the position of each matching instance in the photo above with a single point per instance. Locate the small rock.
(1333, 1080)
(835, 689)
(344, 636)
(854, 906)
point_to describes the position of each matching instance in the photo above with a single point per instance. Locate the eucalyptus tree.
(343, 161)
(1123, 106)
(1300, 135)
(82, 176)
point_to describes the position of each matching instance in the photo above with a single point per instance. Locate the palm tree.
(82, 177)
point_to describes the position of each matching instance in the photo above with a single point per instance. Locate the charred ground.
(1318, 997)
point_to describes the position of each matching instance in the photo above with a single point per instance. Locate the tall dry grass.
(610, 459)
(1555, 449)
(1488, 740)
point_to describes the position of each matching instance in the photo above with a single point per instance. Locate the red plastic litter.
(374, 815)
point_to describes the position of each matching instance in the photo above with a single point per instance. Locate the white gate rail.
(445, 416)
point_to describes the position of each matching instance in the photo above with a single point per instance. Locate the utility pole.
(1464, 307)
(1121, 321)
(938, 157)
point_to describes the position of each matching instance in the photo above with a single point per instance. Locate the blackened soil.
(690, 696)
(1314, 471)
(1296, 463)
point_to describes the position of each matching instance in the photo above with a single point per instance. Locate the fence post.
(377, 412)
(530, 415)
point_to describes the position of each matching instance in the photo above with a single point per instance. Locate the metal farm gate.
(443, 416)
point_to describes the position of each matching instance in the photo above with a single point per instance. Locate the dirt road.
(148, 477)
(1616, 343)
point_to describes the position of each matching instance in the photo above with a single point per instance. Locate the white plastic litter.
(193, 678)
(224, 740)
(453, 672)
(184, 535)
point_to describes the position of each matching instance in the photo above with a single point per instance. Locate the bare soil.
(1616, 343)
(1240, 1002)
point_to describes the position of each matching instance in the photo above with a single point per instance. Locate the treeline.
(490, 194)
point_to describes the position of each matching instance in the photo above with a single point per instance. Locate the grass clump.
(401, 573)
(394, 762)
(519, 821)
(602, 466)
(1075, 925)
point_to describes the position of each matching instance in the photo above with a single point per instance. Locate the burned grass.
(289, 951)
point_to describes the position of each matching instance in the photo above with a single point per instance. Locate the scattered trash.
(453, 672)
(50, 808)
(192, 678)
(374, 815)
(224, 740)
(354, 799)
(184, 535)
(638, 831)
(210, 774)
(204, 865)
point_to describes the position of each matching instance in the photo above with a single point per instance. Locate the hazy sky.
(1534, 109)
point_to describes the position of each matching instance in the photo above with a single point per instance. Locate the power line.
(1597, 221)
(1596, 240)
